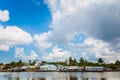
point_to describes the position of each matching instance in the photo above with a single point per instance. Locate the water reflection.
(75, 78)
(59, 76)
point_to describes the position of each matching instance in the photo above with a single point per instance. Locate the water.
(59, 75)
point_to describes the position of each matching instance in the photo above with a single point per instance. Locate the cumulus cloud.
(4, 15)
(20, 53)
(11, 36)
(99, 19)
(48, 49)
(100, 49)
(57, 53)
(33, 55)
(92, 49)
(42, 41)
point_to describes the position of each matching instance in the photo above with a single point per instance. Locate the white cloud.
(57, 53)
(92, 49)
(99, 19)
(20, 53)
(11, 36)
(100, 49)
(42, 41)
(46, 46)
(4, 47)
(4, 15)
(33, 55)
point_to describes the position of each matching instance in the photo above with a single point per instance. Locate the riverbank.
(59, 76)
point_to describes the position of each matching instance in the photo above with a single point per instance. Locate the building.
(47, 67)
(16, 69)
(73, 68)
(70, 68)
(1, 67)
(94, 69)
(37, 63)
(27, 68)
(81, 68)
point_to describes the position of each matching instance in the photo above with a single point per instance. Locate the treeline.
(19, 63)
(83, 62)
(68, 62)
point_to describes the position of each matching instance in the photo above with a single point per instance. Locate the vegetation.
(14, 64)
(69, 62)
(100, 61)
(83, 62)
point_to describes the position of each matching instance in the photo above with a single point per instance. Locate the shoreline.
(60, 71)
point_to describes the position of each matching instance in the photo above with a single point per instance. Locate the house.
(1, 67)
(27, 68)
(81, 68)
(37, 63)
(47, 67)
(70, 68)
(73, 68)
(94, 69)
(63, 69)
(16, 69)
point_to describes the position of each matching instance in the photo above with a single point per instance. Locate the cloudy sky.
(54, 30)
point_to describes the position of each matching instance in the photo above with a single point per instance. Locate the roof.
(48, 66)
(93, 67)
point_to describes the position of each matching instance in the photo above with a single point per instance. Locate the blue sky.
(54, 30)
(29, 16)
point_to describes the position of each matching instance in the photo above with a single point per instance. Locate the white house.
(70, 68)
(48, 67)
(88, 68)
(37, 63)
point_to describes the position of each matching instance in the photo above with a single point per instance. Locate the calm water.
(60, 76)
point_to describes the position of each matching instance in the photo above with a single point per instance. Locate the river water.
(59, 75)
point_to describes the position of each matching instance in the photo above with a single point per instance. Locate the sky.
(54, 30)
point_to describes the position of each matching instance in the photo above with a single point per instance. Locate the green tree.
(13, 64)
(117, 63)
(100, 61)
(81, 62)
(75, 63)
(20, 63)
(70, 61)
(33, 63)
(1, 63)
(29, 62)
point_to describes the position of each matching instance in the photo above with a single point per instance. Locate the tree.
(33, 63)
(1, 63)
(81, 62)
(117, 63)
(70, 61)
(13, 64)
(75, 63)
(20, 63)
(100, 61)
(29, 62)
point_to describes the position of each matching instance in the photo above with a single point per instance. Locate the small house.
(48, 67)
(70, 68)
(94, 69)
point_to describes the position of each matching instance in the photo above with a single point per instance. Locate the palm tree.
(81, 62)
(29, 62)
(100, 61)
